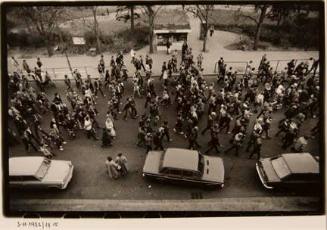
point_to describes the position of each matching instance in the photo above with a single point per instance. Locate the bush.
(300, 32)
(122, 41)
(25, 40)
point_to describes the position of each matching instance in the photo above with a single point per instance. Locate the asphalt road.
(90, 180)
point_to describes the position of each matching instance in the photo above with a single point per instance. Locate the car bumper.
(69, 177)
(261, 177)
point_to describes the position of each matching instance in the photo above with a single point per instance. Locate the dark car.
(184, 165)
(289, 170)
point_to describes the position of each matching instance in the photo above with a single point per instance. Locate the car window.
(201, 163)
(29, 178)
(303, 177)
(42, 171)
(164, 170)
(15, 178)
(175, 172)
(188, 173)
(280, 167)
(22, 178)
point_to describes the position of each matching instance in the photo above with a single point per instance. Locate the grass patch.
(301, 32)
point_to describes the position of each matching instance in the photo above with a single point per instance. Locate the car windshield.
(201, 163)
(280, 167)
(42, 171)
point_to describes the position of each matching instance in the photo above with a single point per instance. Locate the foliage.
(297, 29)
(124, 40)
(43, 19)
(151, 13)
(203, 13)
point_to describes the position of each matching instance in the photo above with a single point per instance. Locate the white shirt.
(88, 124)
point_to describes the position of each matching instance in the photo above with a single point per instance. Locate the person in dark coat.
(257, 148)
(236, 143)
(192, 139)
(148, 142)
(106, 138)
(214, 142)
(157, 140)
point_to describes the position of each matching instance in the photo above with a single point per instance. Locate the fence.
(278, 65)
(240, 67)
(59, 73)
(237, 66)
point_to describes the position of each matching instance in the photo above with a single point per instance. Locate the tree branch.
(249, 17)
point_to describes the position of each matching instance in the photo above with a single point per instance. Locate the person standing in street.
(88, 126)
(192, 139)
(157, 140)
(113, 169)
(257, 148)
(121, 160)
(237, 143)
(211, 29)
(38, 63)
(148, 142)
(68, 83)
(214, 142)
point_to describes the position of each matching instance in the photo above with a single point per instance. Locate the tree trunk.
(132, 18)
(151, 27)
(151, 38)
(48, 45)
(96, 29)
(205, 37)
(259, 26)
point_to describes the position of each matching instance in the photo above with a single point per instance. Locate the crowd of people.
(228, 105)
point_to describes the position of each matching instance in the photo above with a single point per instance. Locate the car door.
(31, 182)
(296, 181)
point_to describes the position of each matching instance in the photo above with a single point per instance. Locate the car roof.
(301, 162)
(181, 159)
(24, 166)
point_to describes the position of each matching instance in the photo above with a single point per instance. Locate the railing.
(238, 68)
(279, 65)
(59, 73)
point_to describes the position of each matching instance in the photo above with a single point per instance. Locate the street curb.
(247, 204)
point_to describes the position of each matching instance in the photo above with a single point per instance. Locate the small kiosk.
(172, 26)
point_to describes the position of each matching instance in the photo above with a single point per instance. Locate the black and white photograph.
(145, 109)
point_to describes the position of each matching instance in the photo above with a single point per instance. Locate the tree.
(43, 19)
(151, 12)
(96, 28)
(261, 13)
(202, 12)
(129, 16)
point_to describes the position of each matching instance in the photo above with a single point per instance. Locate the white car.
(39, 172)
(289, 170)
(184, 166)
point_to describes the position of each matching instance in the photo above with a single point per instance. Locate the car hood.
(152, 162)
(268, 169)
(213, 169)
(57, 171)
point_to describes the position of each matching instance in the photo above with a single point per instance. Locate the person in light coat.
(110, 126)
(113, 169)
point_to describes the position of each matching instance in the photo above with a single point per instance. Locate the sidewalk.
(215, 50)
(246, 204)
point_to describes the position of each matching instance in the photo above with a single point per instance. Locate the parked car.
(39, 172)
(186, 166)
(292, 170)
